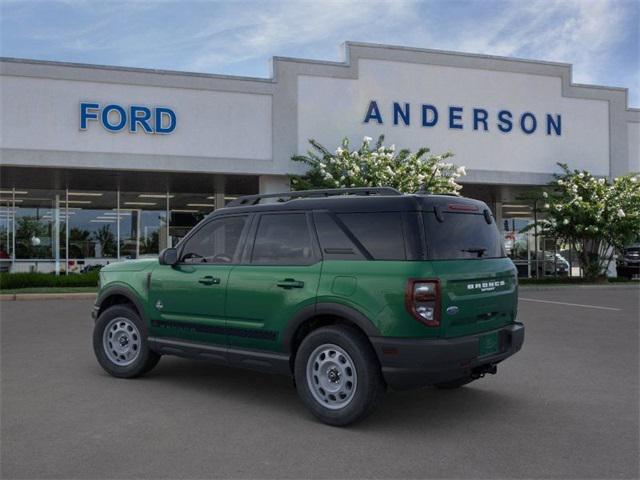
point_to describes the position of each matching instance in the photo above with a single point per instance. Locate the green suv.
(349, 291)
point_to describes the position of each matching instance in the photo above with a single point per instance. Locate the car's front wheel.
(120, 343)
(338, 376)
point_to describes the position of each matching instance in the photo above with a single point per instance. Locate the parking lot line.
(570, 304)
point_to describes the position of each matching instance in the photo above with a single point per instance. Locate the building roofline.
(346, 62)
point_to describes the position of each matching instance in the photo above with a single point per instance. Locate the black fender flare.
(333, 309)
(122, 291)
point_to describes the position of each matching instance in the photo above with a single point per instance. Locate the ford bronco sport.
(349, 291)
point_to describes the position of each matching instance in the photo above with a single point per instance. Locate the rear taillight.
(422, 299)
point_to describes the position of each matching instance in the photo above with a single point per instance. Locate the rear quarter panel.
(377, 290)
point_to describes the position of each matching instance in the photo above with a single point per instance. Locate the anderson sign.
(461, 118)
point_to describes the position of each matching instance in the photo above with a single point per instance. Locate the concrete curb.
(9, 297)
(593, 286)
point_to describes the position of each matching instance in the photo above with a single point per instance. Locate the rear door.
(278, 276)
(478, 282)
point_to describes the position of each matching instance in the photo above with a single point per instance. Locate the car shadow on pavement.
(414, 409)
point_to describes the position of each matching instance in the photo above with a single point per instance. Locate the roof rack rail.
(248, 200)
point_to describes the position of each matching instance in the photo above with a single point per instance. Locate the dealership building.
(103, 163)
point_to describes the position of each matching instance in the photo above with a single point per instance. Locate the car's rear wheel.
(338, 376)
(120, 343)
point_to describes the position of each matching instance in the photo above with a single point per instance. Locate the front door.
(278, 277)
(188, 299)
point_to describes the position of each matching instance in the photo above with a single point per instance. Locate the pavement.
(566, 406)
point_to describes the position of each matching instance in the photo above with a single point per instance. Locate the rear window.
(461, 236)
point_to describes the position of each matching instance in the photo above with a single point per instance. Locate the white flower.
(621, 213)
(367, 139)
(634, 179)
(565, 221)
(339, 151)
(546, 205)
(545, 195)
(579, 198)
(392, 148)
(461, 170)
(581, 175)
(560, 182)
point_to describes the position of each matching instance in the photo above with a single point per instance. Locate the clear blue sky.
(600, 38)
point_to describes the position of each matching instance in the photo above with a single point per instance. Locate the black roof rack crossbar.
(248, 200)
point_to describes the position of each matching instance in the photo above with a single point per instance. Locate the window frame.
(204, 224)
(246, 257)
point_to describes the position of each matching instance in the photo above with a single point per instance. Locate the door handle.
(209, 280)
(290, 283)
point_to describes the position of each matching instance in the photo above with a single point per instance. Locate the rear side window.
(335, 243)
(283, 239)
(461, 236)
(380, 233)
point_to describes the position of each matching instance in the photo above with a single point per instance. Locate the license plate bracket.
(488, 344)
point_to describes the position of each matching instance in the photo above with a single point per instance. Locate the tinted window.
(216, 242)
(283, 240)
(334, 242)
(380, 233)
(461, 236)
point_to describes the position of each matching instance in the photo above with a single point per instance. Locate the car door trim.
(264, 361)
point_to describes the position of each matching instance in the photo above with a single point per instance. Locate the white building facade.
(105, 163)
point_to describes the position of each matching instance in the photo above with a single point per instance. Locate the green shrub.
(28, 280)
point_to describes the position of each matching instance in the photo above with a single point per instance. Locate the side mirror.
(168, 256)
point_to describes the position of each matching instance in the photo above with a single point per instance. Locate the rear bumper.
(408, 363)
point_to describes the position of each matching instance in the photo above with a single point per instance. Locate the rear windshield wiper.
(479, 250)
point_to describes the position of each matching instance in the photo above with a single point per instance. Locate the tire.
(340, 359)
(454, 384)
(123, 351)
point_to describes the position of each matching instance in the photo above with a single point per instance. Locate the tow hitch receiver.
(483, 370)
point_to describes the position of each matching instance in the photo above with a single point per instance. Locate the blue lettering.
(105, 118)
(455, 113)
(86, 114)
(505, 124)
(556, 125)
(425, 115)
(480, 116)
(399, 112)
(162, 112)
(523, 123)
(373, 112)
(139, 115)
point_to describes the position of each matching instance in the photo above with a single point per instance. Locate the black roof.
(386, 202)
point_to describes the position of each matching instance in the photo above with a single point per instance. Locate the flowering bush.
(377, 166)
(592, 214)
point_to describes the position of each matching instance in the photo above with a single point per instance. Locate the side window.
(283, 239)
(334, 242)
(380, 233)
(216, 242)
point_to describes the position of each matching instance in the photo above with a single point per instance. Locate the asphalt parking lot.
(565, 406)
